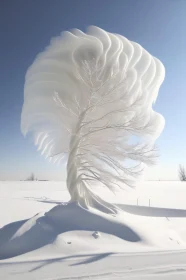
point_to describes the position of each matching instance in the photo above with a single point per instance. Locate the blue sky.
(26, 27)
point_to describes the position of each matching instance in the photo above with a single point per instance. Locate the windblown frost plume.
(85, 98)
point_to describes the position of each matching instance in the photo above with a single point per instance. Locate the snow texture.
(58, 243)
(88, 101)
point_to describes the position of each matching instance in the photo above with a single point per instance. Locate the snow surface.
(43, 237)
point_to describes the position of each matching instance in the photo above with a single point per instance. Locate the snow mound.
(63, 227)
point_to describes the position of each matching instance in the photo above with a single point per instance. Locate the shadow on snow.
(27, 235)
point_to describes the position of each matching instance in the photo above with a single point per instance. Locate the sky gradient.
(26, 28)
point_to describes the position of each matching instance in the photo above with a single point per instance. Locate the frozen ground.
(40, 238)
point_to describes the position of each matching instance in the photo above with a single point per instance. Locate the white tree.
(88, 101)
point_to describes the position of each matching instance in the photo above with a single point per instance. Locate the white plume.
(85, 99)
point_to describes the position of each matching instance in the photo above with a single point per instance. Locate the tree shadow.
(24, 236)
(152, 211)
(46, 200)
(85, 259)
(93, 258)
(50, 201)
(78, 259)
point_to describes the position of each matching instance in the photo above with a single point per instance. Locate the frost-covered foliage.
(86, 98)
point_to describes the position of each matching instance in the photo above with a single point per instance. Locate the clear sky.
(26, 27)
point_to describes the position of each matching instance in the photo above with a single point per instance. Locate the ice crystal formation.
(86, 98)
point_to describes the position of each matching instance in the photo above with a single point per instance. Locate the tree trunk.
(79, 191)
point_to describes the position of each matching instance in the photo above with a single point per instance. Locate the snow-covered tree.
(88, 101)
